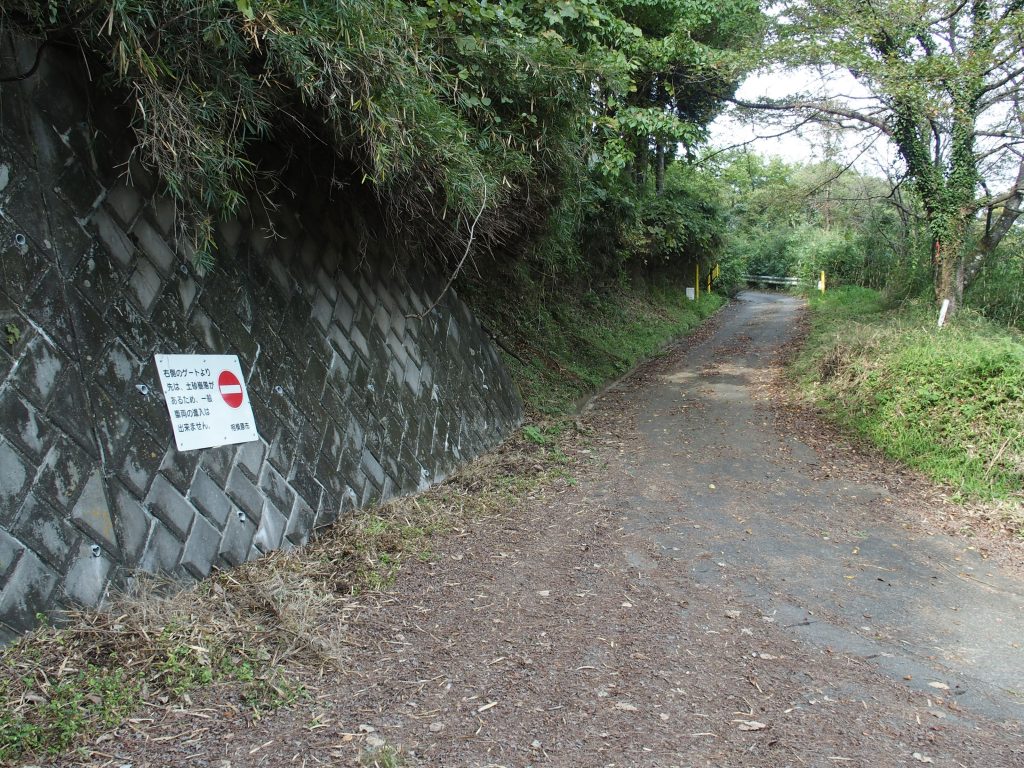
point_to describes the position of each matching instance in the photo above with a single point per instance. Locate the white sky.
(868, 154)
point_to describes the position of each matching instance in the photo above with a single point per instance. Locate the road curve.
(825, 557)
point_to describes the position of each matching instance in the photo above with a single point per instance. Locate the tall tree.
(682, 57)
(946, 85)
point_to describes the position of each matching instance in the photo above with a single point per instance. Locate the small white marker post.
(942, 312)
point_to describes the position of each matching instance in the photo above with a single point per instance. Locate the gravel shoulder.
(716, 584)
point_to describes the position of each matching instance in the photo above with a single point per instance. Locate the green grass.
(62, 686)
(568, 344)
(382, 757)
(59, 711)
(948, 401)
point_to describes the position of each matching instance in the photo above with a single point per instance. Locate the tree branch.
(1007, 78)
(792, 129)
(1011, 203)
(816, 108)
(462, 261)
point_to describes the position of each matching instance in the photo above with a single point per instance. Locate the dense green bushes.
(797, 220)
(441, 110)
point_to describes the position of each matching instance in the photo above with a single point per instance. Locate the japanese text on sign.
(206, 400)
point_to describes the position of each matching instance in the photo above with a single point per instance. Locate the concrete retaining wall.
(355, 400)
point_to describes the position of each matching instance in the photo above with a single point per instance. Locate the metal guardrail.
(773, 280)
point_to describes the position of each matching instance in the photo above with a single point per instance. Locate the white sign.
(206, 400)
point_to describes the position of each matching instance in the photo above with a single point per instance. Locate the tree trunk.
(949, 283)
(949, 266)
(642, 161)
(995, 231)
(659, 170)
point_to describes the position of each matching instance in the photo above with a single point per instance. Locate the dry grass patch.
(262, 626)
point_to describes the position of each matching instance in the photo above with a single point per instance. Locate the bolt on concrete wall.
(355, 398)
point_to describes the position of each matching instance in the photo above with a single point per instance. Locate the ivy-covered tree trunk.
(958, 203)
(949, 272)
(947, 188)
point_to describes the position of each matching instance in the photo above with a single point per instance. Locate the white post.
(942, 312)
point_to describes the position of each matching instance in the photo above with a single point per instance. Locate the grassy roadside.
(564, 347)
(948, 402)
(264, 632)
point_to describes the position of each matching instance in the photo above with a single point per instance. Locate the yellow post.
(696, 281)
(821, 283)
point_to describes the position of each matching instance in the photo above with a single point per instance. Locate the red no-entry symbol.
(230, 388)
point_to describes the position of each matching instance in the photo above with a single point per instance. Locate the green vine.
(13, 334)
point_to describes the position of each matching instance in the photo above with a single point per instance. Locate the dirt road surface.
(718, 588)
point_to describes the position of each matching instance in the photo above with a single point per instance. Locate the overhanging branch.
(816, 109)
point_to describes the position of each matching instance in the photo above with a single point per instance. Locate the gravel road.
(717, 586)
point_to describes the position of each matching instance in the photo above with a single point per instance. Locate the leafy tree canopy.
(789, 219)
(459, 116)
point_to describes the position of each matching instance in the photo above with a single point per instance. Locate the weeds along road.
(709, 591)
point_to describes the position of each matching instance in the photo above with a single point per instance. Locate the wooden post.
(696, 281)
